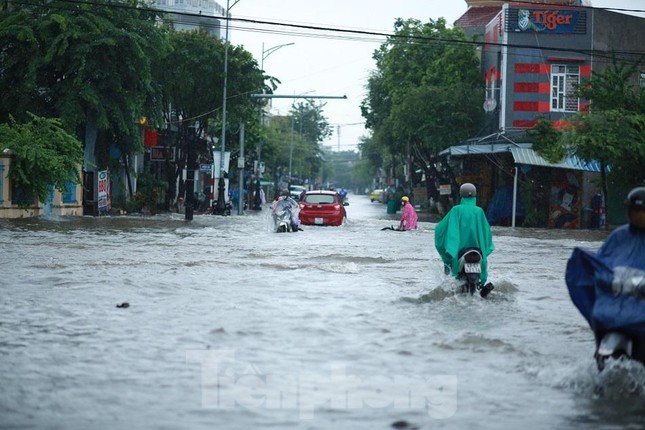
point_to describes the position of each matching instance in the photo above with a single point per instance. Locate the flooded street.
(232, 326)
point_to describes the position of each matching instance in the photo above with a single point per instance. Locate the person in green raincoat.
(464, 226)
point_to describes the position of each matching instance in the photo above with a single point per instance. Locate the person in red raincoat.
(409, 216)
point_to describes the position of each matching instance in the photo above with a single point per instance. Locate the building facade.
(533, 56)
(14, 203)
(194, 14)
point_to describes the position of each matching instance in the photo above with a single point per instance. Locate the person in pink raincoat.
(409, 216)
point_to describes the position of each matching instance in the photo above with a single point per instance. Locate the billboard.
(556, 21)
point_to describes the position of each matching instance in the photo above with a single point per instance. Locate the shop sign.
(162, 153)
(103, 188)
(547, 21)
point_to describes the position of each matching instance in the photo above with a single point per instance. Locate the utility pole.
(220, 208)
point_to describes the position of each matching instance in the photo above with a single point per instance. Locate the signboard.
(558, 21)
(205, 167)
(445, 190)
(162, 153)
(103, 188)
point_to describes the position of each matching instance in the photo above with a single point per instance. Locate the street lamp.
(221, 187)
(265, 54)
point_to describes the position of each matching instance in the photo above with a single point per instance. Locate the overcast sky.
(335, 66)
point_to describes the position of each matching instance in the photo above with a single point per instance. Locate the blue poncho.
(464, 226)
(589, 277)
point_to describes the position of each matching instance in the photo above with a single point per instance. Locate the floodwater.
(232, 326)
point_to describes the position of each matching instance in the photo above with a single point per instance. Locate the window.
(563, 81)
(20, 196)
(69, 196)
(319, 199)
(642, 80)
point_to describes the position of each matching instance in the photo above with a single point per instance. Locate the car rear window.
(320, 198)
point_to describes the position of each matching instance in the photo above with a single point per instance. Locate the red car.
(322, 208)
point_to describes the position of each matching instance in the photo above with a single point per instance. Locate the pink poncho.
(409, 218)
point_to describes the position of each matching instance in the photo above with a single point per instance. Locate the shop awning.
(522, 154)
(530, 157)
(482, 149)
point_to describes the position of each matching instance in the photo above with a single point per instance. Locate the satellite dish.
(490, 105)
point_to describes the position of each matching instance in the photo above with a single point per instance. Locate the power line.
(358, 35)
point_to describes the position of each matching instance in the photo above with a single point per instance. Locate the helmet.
(635, 207)
(467, 190)
(405, 199)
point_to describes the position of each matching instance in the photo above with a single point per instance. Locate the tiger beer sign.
(547, 21)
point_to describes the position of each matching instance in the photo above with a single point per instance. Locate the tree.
(85, 63)
(311, 126)
(612, 133)
(191, 78)
(43, 155)
(426, 92)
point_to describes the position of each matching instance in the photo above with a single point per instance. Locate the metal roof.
(528, 156)
(483, 148)
(522, 154)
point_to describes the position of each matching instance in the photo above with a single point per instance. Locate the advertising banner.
(557, 21)
(103, 187)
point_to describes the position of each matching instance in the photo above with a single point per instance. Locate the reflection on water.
(232, 326)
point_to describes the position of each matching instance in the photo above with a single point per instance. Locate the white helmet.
(467, 190)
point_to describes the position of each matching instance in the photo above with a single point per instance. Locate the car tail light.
(302, 205)
(336, 206)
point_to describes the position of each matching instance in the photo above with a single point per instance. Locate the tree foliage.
(547, 141)
(611, 133)
(312, 127)
(426, 92)
(80, 62)
(296, 139)
(44, 155)
(191, 80)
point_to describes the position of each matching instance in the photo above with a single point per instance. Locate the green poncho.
(464, 226)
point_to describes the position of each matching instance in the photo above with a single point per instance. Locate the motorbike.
(617, 344)
(613, 303)
(470, 261)
(283, 217)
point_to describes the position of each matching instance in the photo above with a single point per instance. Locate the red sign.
(162, 153)
(150, 137)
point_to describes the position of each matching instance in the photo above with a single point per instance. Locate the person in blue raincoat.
(464, 226)
(591, 278)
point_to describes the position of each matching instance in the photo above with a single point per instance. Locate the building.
(14, 203)
(194, 14)
(532, 58)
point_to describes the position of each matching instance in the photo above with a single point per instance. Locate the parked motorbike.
(470, 261)
(613, 302)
